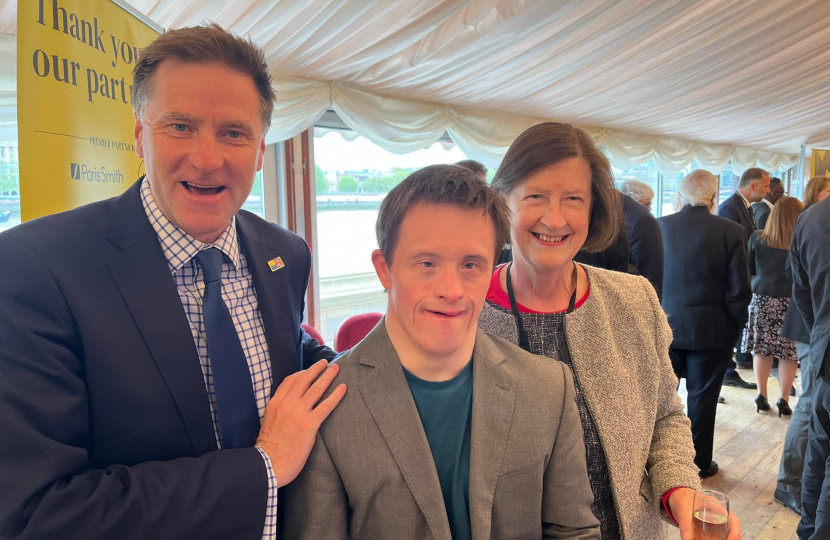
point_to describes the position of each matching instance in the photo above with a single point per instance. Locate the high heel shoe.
(783, 407)
(761, 403)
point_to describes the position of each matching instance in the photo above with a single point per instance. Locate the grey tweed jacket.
(371, 474)
(619, 344)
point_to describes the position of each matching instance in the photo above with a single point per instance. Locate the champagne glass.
(710, 516)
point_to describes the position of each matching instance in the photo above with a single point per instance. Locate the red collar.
(498, 296)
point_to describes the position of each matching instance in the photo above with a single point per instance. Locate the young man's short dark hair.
(440, 184)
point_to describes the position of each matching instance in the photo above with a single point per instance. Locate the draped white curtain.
(404, 125)
(676, 81)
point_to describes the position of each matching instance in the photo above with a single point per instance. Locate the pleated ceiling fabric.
(681, 82)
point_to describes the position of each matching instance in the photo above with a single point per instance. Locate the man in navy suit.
(810, 262)
(753, 187)
(646, 241)
(705, 297)
(150, 373)
(761, 210)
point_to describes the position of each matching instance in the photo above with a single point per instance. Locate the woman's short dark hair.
(204, 45)
(441, 184)
(551, 142)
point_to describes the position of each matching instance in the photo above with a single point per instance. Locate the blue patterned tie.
(237, 410)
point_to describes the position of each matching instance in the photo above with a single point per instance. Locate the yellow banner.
(820, 165)
(74, 81)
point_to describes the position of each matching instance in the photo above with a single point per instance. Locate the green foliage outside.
(9, 177)
(383, 184)
(322, 183)
(347, 184)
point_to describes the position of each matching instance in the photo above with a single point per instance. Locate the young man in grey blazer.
(448, 433)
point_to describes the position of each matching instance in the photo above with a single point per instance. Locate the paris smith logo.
(79, 171)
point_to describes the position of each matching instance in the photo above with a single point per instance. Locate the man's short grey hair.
(697, 188)
(639, 191)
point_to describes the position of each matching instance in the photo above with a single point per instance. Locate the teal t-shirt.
(446, 410)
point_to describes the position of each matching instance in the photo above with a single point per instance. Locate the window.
(670, 202)
(783, 175)
(254, 202)
(728, 184)
(353, 175)
(645, 173)
(9, 185)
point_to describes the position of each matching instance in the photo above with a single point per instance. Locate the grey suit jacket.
(371, 474)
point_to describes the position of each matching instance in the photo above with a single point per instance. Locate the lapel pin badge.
(276, 264)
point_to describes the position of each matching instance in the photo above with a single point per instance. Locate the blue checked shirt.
(180, 249)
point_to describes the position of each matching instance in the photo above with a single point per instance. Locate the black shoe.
(761, 403)
(783, 407)
(792, 391)
(789, 499)
(721, 399)
(733, 379)
(743, 365)
(710, 471)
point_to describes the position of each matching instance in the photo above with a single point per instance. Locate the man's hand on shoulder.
(292, 421)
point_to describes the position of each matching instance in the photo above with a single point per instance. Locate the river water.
(346, 239)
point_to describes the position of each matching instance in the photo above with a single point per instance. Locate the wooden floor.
(748, 449)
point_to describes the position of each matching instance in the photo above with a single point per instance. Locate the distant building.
(8, 151)
(360, 176)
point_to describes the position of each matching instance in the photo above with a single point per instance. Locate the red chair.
(311, 331)
(354, 329)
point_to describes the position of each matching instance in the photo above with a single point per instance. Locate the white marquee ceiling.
(742, 72)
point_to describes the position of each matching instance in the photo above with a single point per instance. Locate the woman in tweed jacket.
(606, 326)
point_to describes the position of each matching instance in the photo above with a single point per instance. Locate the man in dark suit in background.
(475, 166)
(638, 249)
(761, 209)
(617, 257)
(753, 187)
(646, 242)
(810, 261)
(706, 293)
(144, 336)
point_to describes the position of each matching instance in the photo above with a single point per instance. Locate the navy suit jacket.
(646, 242)
(706, 288)
(810, 260)
(760, 211)
(735, 210)
(105, 419)
(617, 257)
